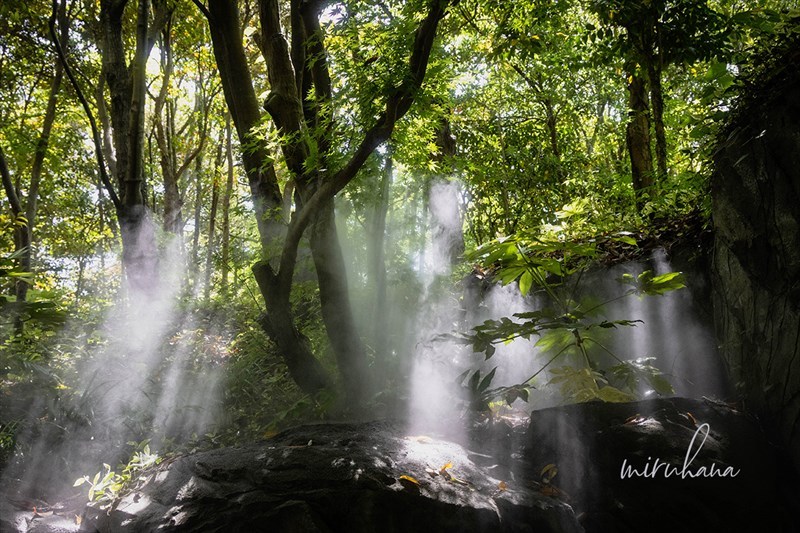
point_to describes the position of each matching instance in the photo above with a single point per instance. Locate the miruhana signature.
(658, 468)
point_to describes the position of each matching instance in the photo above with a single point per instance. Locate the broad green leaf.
(487, 380)
(611, 394)
(525, 282)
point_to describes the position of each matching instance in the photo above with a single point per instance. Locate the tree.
(25, 208)
(126, 82)
(657, 33)
(300, 107)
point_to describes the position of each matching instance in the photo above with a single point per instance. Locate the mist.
(143, 379)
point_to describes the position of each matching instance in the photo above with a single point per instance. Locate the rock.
(561, 474)
(588, 444)
(756, 272)
(13, 519)
(331, 478)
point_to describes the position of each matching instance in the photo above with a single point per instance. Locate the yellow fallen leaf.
(549, 472)
(554, 492)
(409, 483)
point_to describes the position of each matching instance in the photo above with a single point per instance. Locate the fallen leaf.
(409, 483)
(549, 472)
(554, 492)
(443, 470)
(635, 419)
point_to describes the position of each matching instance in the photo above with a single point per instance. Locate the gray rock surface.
(333, 478)
(589, 442)
(375, 477)
(756, 272)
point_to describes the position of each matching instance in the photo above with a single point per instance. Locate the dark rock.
(756, 273)
(589, 442)
(373, 477)
(332, 478)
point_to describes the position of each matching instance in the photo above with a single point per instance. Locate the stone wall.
(756, 263)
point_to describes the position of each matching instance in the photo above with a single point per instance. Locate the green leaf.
(625, 239)
(661, 284)
(487, 380)
(614, 395)
(474, 381)
(660, 384)
(489, 351)
(525, 282)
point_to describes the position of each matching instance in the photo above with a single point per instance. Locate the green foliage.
(565, 327)
(535, 94)
(107, 485)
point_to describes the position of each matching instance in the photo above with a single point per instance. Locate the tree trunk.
(351, 355)
(21, 234)
(212, 225)
(638, 138)
(139, 253)
(445, 217)
(278, 322)
(657, 102)
(32, 200)
(165, 132)
(119, 83)
(377, 260)
(198, 204)
(552, 126)
(226, 207)
(301, 127)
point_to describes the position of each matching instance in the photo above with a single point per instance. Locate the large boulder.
(564, 472)
(756, 271)
(333, 478)
(647, 467)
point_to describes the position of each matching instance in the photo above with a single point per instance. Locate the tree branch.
(203, 9)
(397, 105)
(8, 185)
(95, 132)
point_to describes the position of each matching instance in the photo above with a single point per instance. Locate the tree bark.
(278, 322)
(226, 208)
(447, 232)
(657, 102)
(638, 138)
(316, 192)
(337, 314)
(212, 225)
(23, 232)
(377, 260)
(198, 204)
(139, 253)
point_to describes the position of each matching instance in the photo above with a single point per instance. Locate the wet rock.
(564, 473)
(756, 266)
(331, 478)
(17, 518)
(591, 443)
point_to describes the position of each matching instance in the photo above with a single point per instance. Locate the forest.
(451, 265)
